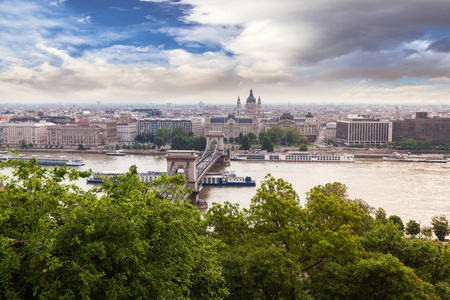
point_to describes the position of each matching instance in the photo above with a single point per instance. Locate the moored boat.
(116, 153)
(47, 161)
(428, 158)
(227, 179)
(294, 156)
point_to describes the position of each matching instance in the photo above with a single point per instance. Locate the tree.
(292, 136)
(397, 221)
(252, 137)
(241, 136)
(163, 133)
(142, 138)
(199, 143)
(380, 215)
(303, 147)
(440, 226)
(275, 133)
(266, 144)
(427, 231)
(159, 142)
(412, 228)
(124, 240)
(375, 276)
(179, 131)
(245, 143)
(23, 144)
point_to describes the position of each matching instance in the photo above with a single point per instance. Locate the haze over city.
(156, 51)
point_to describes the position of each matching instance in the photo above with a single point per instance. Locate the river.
(413, 191)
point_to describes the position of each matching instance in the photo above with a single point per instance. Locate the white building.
(31, 133)
(126, 133)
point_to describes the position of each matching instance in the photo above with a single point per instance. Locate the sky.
(187, 51)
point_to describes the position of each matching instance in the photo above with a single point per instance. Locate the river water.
(413, 191)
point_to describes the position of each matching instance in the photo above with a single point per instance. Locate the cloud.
(442, 45)
(290, 49)
(84, 20)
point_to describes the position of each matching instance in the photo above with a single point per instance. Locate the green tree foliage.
(180, 142)
(412, 228)
(427, 231)
(380, 215)
(292, 136)
(122, 241)
(144, 138)
(163, 133)
(440, 226)
(159, 142)
(245, 143)
(23, 144)
(397, 221)
(252, 137)
(266, 144)
(374, 276)
(179, 131)
(303, 147)
(412, 144)
(275, 134)
(276, 242)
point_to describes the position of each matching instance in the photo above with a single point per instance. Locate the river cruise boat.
(116, 153)
(428, 158)
(100, 177)
(227, 179)
(293, 156)
(47, 161)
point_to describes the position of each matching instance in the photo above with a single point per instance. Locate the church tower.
(250, 104)
(238, 106)
(259, 106)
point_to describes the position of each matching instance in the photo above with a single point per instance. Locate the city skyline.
(187, 51)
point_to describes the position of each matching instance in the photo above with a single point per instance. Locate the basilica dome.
(251, 98)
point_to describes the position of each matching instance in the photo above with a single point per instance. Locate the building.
(109, 130)
(150, 125)
(252, 107)
(232, 126)
(127, 132)
(198, 125)
(30, 132)
(74, 135)
(150, 112)
(369, 132)
(436, 131)
(308, 126)
(330, 131)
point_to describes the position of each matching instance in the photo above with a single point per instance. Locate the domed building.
(308, 126)
(252, 107)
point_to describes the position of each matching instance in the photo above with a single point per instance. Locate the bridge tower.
(213, 137)
(186, 162)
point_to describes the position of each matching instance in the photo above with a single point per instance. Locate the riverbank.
(88, 151)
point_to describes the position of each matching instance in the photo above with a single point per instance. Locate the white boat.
(47, 161)
(428, 158)
(116, 153)
(295, 156)
(227, 179)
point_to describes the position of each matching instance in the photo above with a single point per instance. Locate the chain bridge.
(193, 166)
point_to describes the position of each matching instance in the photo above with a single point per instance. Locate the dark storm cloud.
(347, 26)
(442, 45)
